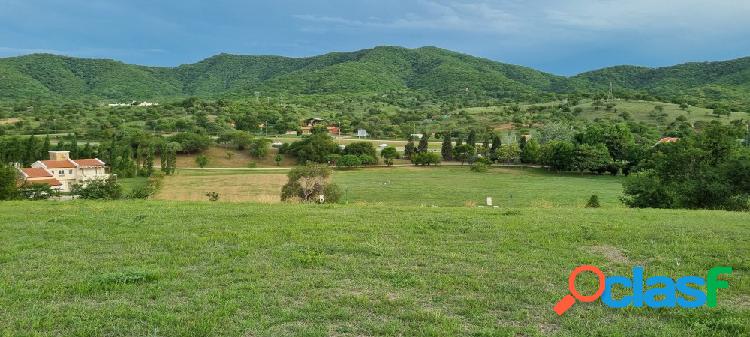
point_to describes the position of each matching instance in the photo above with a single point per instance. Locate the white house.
(65, 171)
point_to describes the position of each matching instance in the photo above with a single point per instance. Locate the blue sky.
(560, 36)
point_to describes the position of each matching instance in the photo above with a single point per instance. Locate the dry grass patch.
(8, 121)
(611, 253)
(264, 188)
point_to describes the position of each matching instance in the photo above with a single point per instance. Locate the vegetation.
(286, 270)
(98, 189)
(307, 183)
(706, 170)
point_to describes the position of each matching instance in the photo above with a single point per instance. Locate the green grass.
(130, 184)
(146, 268)
(454, 186)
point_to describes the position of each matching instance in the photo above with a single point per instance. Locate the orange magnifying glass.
(564, 304)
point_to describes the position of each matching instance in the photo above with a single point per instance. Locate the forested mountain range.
(428, 70)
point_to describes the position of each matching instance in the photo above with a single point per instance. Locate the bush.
(389, 154)
(367, 159)
(37, 192)
(308, 182)
(349, 161)
(361, 148)
(480, 167)
(212, 196)
(333, 193)
(101, 189)
(426, 159)
(593, 202)
(201, 160)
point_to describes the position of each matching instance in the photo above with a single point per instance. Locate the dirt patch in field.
(611, 253)
(265, 188)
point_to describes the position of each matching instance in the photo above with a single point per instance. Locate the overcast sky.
(559, 36)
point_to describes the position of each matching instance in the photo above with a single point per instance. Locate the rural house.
(61, 172)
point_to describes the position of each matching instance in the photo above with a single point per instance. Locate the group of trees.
(708, 169)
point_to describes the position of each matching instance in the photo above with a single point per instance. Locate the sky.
(563, 37)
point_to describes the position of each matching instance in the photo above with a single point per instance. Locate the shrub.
(367, 159)
(37, 192)
(201, 160)
(212, 196)
(103, 189)
(349, 160)
(593, 202)
(479, 167)
(259, 148)
(389, 154)
(426, 159)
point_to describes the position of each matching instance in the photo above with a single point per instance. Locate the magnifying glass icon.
(566, 302)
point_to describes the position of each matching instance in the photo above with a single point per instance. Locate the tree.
(594, 158)
(424, 142)
(169, 157)
(259, 148)
(307, 183)
(706, 170)
(278, 158)
(361, 148)
(463, 153)
(530, 152)
(191, 142)
(558, 155)
(148, 161)
(446, 150)
(315, 148)
(497, 142)
(409, 149)
(201, 160)
(8, 182)
(389, 154)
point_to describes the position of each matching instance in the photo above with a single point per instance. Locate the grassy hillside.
(441, 73)
(206, 269)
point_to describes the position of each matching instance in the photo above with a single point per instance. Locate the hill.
(433, 71)
(695, 83)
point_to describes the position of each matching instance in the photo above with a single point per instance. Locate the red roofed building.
(64, 172)
(32, 176)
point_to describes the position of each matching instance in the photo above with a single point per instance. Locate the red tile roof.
(89, 163)
(36, 173)
(50, 181)
(58, 163)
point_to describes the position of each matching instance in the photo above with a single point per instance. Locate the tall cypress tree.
(409, 149)
(447, 149)
(74, 151)
(424, 143)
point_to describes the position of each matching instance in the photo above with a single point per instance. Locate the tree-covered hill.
(441, 73)
(704, 83)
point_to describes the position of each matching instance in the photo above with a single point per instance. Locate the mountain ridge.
(431, 70)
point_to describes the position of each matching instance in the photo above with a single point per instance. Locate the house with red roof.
(61, 172)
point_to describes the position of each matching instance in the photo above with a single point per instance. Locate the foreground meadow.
(154, 268)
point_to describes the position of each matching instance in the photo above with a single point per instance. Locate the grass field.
(411, 186)
(152, 268)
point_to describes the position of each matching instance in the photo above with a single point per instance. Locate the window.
(70, 171)
(61, 172)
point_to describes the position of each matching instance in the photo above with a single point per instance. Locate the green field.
(152, 268)
(458, 186)
(441, 186)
